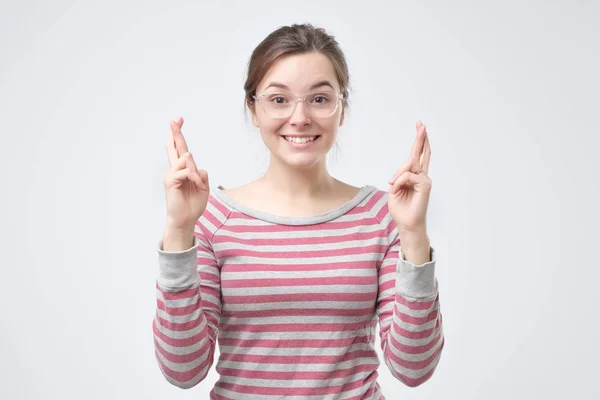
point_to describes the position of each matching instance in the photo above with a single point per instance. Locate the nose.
(300, 114)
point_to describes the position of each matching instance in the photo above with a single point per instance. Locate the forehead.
(300, 71)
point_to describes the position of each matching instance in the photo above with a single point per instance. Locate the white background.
(508, 90)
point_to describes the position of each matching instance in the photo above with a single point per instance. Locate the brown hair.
(294, 39)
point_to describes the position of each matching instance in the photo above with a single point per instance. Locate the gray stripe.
(236, 395)
(309, 335)
(299, 305)
(294, 261)
(326, 273)
(347, 244)
(183, 367)
(414, 358)
(364, 192)
(303, 383)
(181, 351)
(276, 367)
(316, 290)
(180, 319)
(300, 234)
(295, 351)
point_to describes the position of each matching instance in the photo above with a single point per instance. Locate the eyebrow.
(316, 85)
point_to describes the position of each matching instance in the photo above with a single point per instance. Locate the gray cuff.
(416, 281)
(178, 270)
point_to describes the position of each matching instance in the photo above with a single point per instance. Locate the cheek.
(267, 125)
(330, 128)
(269, 130)
(271, 127)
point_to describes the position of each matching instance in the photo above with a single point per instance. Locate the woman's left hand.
(410, 188)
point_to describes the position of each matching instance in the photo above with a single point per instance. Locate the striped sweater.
(294, 303)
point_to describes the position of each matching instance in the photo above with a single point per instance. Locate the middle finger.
(171, 151)
(417, 148)
(180, 144)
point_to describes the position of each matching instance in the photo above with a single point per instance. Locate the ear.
(342, 117)
(253, 112)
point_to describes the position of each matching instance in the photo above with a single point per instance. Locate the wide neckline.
(364, 191)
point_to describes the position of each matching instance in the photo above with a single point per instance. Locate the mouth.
(301, 140)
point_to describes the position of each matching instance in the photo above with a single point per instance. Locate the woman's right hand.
(186, 187)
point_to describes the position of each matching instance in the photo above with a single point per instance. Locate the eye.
(321, 98)
(278, 98)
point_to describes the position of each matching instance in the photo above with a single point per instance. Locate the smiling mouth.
(301, 139)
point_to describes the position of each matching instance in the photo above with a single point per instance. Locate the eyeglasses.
(282, 104)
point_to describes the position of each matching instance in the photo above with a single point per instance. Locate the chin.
(302, 161)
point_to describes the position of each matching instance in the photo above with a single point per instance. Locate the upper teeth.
(300, 139)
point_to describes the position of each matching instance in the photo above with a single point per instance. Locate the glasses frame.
(259, 98)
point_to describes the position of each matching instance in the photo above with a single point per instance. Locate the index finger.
(180, 144)
(171, 151)
(417, 148)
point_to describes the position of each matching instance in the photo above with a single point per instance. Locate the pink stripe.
(301, 254)
(184, 376)
(276, 241)
(372, 394)
(208, 277)
(416, 320)
(179, 342)
(184, 294)
(298, 228)
(203, 234)
(414, 349)
(293, 391)
(220, 207)
(381, 215)
(211, 218)
(354, 265)
(276, 328)
(185, 358)
(297, 297)
(313, 375)
(215, 396)
(261, 283)
(375, 197)
(412, 365)
(295, 343)
(307, 312)
(416, 305)
(411, 382)
(424, 334)
(177, 311)
(273, 359)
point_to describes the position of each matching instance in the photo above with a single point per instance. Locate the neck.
(297, 183)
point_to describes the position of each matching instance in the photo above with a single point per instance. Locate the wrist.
(177, 239)
(415, 237)
(415, 246)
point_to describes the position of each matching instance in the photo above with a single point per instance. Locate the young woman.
(291, 273)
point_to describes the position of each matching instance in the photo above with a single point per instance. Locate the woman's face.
(285, 138)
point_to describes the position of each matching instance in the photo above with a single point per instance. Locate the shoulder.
(376, 204)
(214, 216)
(376, 201)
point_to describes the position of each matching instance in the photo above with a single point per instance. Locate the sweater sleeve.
(188, 309)
(410, 321)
